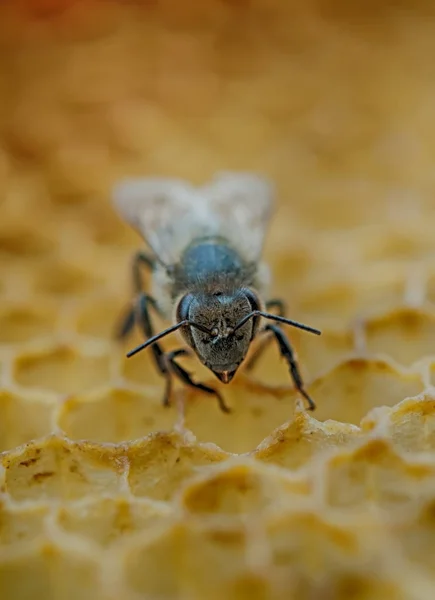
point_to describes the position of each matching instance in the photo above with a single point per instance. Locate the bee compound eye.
(252, 298)
(183, 307)
(255, 304)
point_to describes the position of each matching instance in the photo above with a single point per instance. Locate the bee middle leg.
(287, 352)
(280, 307)
(129, 319)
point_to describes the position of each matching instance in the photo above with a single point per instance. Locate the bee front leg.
(129, 319)
(141, 314)
(287, 352)
(280, 307)
(185, 377)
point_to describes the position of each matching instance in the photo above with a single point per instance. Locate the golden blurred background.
(103, 492)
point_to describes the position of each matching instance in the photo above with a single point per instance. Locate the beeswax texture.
(104, 493)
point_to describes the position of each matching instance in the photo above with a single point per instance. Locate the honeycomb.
(104, 493)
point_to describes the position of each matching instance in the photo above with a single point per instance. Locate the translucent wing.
(170, 213)
(243, 204)
(159, 210)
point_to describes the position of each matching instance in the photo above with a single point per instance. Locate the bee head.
(223, 340)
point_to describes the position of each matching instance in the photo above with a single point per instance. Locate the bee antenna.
(270, 316)
(152, 340)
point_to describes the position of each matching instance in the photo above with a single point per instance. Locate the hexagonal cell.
(332, 301)
(295, 444)
(61, 369)
(241, 489)
(301, 538)
(215, 565)
(141, 369)
(49, 573)
(57, 469)
(221, 556)
(311, 557)
(107, 520)
(401, 243)
(368, 586)
(432, 372)
(256, 411)
(295, 258)
(338, 202)
(62, 279)
(317, 354)
(106, 229)
(22, 323)
(23, 419)
(21, 524)
(356, 386)
(115, 415)
(153, 568)
(162, 462)
(412, 424)
(328, 303)
(375, 473)
(74, 170)
(405, 335)
(430, 285)
(99, 318)
(416, 536)
(18, 241)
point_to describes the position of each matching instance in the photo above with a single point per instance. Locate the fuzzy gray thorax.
(211, 266)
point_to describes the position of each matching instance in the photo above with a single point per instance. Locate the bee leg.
(169, 357)
(168, 390)
(126, 324)
(128, 320)
(142, 316)
(278, 304)
(287, 352)
(185, 377)
(141, 259)
(265, 342)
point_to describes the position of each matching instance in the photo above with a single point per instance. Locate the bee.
(208, 278)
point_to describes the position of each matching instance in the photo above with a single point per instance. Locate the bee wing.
(243, 204)
(158, 209)
(169, 213)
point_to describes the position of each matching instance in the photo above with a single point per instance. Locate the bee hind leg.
(287, 352)
(128, 319)
(280, 307)
(185, 377)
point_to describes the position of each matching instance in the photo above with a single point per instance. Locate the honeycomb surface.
(104, 493)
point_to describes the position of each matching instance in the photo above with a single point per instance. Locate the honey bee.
(208, 277)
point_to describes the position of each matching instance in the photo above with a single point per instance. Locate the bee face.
(224, 348)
